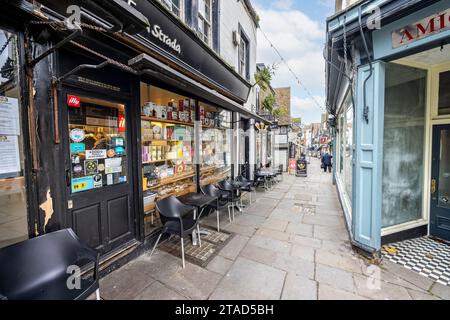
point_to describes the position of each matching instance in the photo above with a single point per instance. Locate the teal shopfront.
(390, 95)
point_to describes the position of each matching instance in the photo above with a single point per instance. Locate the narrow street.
(291, 243)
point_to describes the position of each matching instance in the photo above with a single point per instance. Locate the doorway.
(440, 183)
(99, 171)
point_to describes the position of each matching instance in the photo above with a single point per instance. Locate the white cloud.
(300, 41)
(283, 4)
(307, 109)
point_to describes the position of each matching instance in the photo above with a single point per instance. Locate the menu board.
(9, 137)
(9, 117)
(9, 151)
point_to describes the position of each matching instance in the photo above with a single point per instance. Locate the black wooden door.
(440, 183)
(98, 173)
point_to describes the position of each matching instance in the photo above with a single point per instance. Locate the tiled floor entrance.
(426, 256)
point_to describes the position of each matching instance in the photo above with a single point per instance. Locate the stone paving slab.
(291, 243)
(250, 280)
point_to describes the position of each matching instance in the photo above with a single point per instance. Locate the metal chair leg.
(198, 235)
(154, 247)
(97, 294)
(232, 209)
(218, 221)
(182, 252)
(229, 214)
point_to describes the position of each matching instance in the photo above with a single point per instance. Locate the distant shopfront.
(148, 121)
(391, 139)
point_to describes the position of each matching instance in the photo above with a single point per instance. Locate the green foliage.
(264, 76)
(269, 103)
(280, 112)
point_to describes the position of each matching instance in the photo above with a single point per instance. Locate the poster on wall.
(9, 151)
(9, 117)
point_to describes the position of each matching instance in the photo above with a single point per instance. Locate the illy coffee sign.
(421, 29)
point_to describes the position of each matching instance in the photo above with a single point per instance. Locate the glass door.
(99, 183)
(440, 183)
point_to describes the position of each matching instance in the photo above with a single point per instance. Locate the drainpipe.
(366, 107)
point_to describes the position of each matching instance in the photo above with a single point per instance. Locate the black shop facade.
(110, 118)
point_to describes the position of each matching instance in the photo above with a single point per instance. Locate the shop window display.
(167, 134)
(216, 144)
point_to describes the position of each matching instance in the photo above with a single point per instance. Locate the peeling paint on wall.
(47, 207)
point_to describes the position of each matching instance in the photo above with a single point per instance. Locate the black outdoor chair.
(259, 180)
(224, 201)
(246, 185)
(175, 219)
(234, 191)
(41, 268)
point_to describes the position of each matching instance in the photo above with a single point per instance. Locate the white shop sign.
(96, 154)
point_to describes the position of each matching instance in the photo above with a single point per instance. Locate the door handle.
(68, 177)
(433, 186)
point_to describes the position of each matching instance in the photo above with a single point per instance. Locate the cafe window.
(204, 20)
(173, 6)
(13, 209)
(216, 144)
(167, 138)
(444, 93)
(98, 150)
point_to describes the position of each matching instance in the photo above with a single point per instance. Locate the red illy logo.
(73, 101)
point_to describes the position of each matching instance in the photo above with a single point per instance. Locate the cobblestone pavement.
(291, 243)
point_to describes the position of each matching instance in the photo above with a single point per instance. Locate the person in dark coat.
(326, 161)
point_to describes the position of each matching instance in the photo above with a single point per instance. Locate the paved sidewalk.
(290, 244)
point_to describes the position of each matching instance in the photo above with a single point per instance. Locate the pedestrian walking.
(326, 161)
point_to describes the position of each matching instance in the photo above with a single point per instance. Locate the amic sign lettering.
(424, 28)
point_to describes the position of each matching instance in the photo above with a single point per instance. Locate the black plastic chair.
(261, 179)
(173, 216)
(40, 268)
(246, 185)
(233, 190)
(224, 200)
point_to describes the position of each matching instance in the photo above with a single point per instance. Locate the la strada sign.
(157, 31)
(419, 30)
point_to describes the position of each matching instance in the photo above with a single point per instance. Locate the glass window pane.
(348, 162)
(444, 93)
(98, 150)
(404, 122)
(13, 209)
(216, 144)
(167, 138)
(444, 170)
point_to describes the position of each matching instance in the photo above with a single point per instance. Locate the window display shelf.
(173, 179)
(153, 119)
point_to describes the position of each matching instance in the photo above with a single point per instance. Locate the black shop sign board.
(301, 168)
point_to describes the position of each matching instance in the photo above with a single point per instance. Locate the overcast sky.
(297, 29)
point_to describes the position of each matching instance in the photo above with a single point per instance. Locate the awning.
(158, 70)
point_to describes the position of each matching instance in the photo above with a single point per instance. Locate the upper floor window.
(244, 57)
(174, 6)
(204, 20)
